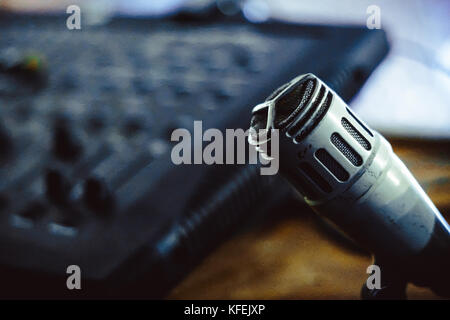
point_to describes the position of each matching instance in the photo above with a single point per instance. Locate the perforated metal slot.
(346, 149)
(309, 171)
(355, 134)
(359, 121)
(332, 165)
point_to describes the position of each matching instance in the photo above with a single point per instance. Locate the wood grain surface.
(293, 255)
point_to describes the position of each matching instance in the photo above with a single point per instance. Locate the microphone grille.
(290, 99)
(292, 102)
(346, 149)
(331, 164)
(323, 145)
(356, 134)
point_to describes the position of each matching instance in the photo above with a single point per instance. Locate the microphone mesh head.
(322, 144)
(290, 99)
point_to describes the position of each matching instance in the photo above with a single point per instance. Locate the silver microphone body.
(349, 174)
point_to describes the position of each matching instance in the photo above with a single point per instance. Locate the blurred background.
(418, 64)
(292, 254)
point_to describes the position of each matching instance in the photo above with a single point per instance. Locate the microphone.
(349, 174)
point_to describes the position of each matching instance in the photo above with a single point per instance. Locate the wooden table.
(294, 256)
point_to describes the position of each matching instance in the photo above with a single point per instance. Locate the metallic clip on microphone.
(349, 174)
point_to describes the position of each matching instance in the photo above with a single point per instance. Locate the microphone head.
(349, 174)
(323, 145)
(288, 101)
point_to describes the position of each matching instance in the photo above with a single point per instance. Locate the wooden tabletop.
(293, 255)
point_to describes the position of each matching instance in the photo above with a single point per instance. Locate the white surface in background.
(409, 93)
(413, 102)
